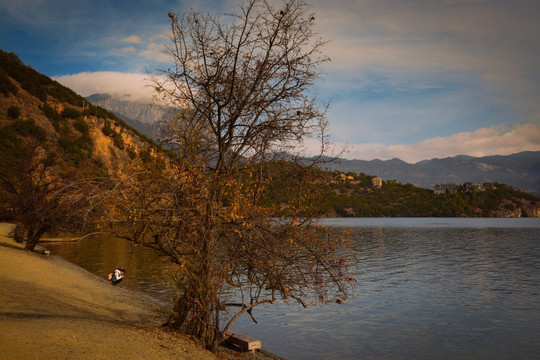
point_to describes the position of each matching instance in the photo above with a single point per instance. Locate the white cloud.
(124, 51)
(493, 140)
(154, 51)
(133, 39)
(490, 43)
(166, 35)
(126, 86)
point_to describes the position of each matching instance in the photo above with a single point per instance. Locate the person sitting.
(117, 275)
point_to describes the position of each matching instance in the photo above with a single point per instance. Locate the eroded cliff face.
(116, 161)
(132, 110)
(115, 157)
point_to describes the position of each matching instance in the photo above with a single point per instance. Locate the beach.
(53, 309)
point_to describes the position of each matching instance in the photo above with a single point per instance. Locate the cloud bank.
(411, 79)
(124, 86)
(493, 140)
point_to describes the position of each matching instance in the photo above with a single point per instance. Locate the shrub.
(6, 86)
(81, 126)
(28, 128)
(70, 113)
(53, 116)
(9, 144)
(106, 129)
(14, 112)
(117, 140)
(132, 154)
(77, 150)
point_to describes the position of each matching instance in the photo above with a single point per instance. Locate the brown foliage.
(43, 197)
(242, 93)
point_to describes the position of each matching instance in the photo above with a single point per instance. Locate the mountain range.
(139, 115)
(521, 171)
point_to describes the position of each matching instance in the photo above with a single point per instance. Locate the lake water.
(426, 288)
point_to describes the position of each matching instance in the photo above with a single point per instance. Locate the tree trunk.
(179, 313)
(33, 238)
(192, 314)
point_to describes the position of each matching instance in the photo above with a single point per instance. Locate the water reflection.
(146, 271)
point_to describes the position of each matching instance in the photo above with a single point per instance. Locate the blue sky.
(414, 79)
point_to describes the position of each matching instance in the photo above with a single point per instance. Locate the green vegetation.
(76, 149)
(132, 154)
(77, 145)
(6, 86)
(70, 113)
(359, 198)
(11, 143)
(53, 116)
(26, 128)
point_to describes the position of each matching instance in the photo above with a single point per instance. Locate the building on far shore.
(477, 186)
(450, 188)
(376, 182)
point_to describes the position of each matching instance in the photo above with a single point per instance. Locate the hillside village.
(453, 188)
(361, 195)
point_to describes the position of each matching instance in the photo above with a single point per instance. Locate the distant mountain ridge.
(521, 170)
(139, 115)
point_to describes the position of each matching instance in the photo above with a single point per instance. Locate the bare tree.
(242, 87)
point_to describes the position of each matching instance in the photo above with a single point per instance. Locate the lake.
(426, 288)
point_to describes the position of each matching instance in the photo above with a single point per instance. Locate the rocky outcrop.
(530, 211)
(132, 110)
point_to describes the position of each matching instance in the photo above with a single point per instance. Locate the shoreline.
(51, 308)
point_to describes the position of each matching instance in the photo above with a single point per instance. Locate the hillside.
(356, 195)
(89, 138)
(361, 195)
(521, 171)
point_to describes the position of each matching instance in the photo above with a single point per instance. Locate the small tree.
(242, 90)
(42, 195)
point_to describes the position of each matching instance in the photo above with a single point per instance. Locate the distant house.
(477, 186)
(344, 177)
(376, 182)
(450, 188)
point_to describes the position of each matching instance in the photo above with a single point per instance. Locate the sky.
(409, 79)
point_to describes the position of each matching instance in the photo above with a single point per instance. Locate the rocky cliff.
(139, 115)
(87, 136)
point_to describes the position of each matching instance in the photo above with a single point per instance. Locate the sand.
(52, 309)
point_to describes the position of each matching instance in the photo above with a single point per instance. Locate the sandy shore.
(53, 309)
